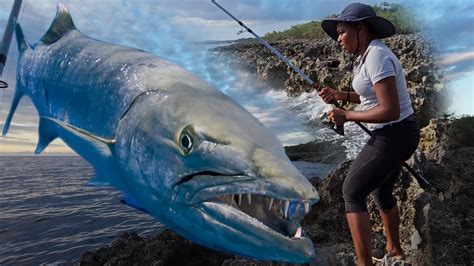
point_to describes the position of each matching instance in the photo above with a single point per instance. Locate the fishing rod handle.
(339, 129)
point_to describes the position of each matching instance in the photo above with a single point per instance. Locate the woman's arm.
(329, 95)
(387, 110)
(353, 97)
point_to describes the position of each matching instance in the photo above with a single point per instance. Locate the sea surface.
(48, 213)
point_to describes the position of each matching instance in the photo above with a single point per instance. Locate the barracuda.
(176, 147)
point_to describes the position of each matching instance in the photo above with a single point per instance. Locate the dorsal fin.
(61, 25)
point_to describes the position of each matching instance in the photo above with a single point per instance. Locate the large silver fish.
(176, 147)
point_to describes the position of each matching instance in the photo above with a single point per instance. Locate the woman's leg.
(377, 166)
(405, 145)
(361, 232)
(388, 211)
(391, 224)
(360, 181)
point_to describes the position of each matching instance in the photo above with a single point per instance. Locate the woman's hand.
(329, 95)
(337, 116)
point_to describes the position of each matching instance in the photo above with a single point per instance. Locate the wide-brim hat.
(357, 12)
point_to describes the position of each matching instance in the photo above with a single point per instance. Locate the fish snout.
(281, 172)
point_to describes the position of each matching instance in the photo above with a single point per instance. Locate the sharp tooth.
(232, 201)
(271, 203)
(298, 205)
(249, 198)
(240, 199)
(306, 207)
(298, 232)
(287, 205)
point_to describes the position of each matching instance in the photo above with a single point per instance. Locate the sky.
(168, 28)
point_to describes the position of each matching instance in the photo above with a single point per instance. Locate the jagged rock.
(164, 249)
(436, 223)
(317, 151)
(445, 213)
(326, 224)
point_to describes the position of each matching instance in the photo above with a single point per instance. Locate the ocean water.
(48, 213)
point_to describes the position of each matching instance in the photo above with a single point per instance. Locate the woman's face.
(347, 36)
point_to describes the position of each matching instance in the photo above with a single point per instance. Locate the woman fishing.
(380, 87)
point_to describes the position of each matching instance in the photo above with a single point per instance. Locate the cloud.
(454, 58)
(23, 146)
(201, 22)
(458, 64)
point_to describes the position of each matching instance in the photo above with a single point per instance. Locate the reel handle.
(326, 122)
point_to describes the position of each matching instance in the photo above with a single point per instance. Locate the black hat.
(357, 12)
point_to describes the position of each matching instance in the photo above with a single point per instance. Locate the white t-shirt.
(377, 63)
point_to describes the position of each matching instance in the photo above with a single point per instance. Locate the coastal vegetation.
(399, 15)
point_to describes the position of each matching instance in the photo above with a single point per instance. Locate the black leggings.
(378, 166)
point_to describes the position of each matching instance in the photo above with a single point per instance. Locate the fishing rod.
(7, 37)
(339, 129)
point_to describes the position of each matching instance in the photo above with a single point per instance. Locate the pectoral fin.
(99, 181)
(85, 143)
(130, 201)
(94, 149)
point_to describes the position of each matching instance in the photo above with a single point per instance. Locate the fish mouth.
(273, 213)
(255, 208)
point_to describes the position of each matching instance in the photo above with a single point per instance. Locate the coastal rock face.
(327, 64)
(436, 222)
(445, 213)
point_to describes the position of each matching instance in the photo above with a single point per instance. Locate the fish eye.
(188, 140)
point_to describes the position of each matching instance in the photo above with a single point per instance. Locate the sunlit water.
(48, 213)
